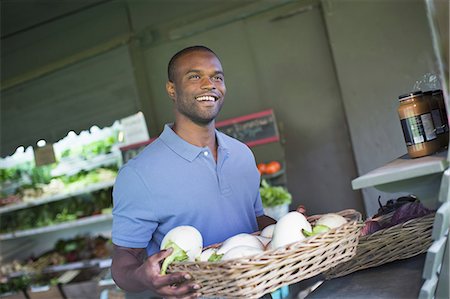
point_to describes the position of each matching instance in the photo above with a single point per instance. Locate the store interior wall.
(378, 50)
(381, 50)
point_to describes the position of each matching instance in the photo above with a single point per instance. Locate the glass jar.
(417, 125)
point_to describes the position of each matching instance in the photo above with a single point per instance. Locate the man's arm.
(264, 221)
(134, 272)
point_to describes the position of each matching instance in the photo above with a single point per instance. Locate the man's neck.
(202, 136)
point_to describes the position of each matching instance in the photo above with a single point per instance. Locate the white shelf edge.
(56, 227)
(56, 197)
(403, 169)
(99, 262)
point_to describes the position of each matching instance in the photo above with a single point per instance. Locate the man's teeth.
(206, 98)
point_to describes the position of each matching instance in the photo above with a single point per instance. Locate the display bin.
(398, 242)
(85, 285)
(15, 295)
(256, 275)
(45, 292)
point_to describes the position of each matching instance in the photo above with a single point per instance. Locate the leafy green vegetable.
(178, 255)
(318, 229)
(274, 195)
(215, 257)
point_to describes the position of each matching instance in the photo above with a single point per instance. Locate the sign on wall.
(252, 129)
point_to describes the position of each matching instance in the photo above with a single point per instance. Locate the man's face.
(199, 88)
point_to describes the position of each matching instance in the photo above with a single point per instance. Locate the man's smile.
(206, 98)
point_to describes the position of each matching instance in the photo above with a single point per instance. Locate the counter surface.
(398, 279)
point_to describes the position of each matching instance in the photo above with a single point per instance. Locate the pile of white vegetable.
(187, 242)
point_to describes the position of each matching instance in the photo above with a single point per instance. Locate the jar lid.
(409, 95)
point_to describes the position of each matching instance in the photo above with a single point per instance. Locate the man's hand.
(134, 273)
(175, 285)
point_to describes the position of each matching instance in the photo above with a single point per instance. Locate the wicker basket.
(257, 275)
(398, 242)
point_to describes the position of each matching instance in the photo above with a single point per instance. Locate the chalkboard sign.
(253, 129)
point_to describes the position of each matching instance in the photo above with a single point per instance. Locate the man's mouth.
(206, 98)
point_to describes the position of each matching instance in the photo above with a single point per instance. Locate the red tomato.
(273, 167)
(261, 168)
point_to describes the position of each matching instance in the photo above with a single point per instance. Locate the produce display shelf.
(56, 197)
(101, 263)
(75, 166)
(406, 174)
(56, 227)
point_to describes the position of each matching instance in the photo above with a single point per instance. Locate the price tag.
(44, 155)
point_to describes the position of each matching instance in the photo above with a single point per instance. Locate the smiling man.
(191, 174)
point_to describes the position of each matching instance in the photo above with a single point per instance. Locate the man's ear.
(170, 88)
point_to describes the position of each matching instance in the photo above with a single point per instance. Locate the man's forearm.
(126, 266)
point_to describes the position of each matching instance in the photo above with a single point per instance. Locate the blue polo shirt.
(172, 182)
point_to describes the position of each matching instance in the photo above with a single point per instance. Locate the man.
(190, 175)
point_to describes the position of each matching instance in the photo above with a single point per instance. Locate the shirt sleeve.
(133, 221)
(259, 211)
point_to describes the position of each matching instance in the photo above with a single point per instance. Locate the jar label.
(437, 120)
(418, 129)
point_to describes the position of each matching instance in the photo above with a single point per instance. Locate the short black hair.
(172, 62)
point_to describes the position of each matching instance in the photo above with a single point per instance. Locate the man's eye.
(194, 77)
(218, 78)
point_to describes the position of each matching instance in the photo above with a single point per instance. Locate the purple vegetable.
(370, 226)
(409, 211)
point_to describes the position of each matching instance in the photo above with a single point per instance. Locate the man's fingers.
(186, 290)
(159, 256)
(172, 279)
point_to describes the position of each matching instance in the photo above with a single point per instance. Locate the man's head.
(196, 85)
(173, 61)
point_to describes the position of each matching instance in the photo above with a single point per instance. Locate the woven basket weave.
(398, 242)
(257, 275)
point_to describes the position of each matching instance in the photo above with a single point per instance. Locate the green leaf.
(215, 257)
(318, 229)
(178, 255)
(274, 195)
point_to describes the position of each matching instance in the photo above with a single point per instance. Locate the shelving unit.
(428, 178)
(56, 197)
(57, 227)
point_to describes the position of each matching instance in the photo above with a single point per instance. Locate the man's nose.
(207, 83)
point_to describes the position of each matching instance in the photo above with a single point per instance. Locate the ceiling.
(21, 15)
(18, 16)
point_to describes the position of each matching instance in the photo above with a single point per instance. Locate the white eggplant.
(186, 242)
(240, 252)
(267, 232)
(331, 220)
(207, 253)
(238, 240)
(289, 229)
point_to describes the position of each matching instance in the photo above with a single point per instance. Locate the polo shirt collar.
(183, 148)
